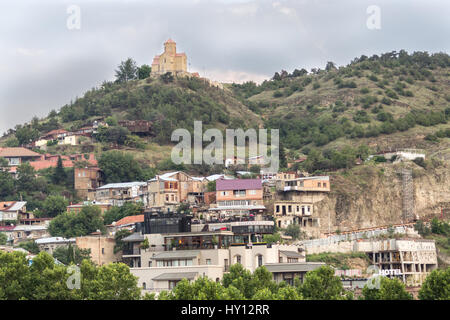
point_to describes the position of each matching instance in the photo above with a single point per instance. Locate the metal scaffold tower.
(408, 195)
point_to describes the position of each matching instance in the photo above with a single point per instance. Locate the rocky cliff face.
(369, 196)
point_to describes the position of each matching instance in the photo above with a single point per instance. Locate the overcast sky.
(44, 64)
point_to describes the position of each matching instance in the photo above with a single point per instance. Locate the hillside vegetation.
(390, 101)
(371, 97)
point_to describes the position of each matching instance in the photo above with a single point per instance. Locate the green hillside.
(372, 97)
(395, 100)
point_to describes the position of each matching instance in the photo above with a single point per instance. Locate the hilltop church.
(170, 60)
(176, 63)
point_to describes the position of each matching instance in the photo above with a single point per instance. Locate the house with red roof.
(18, 155)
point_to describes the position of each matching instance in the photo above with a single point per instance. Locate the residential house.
(12, 211)
(295, 199)
(18, 155)
(54, 135)
(101, 247)
(8, 230)
(128, 223)
(288, 271)
(52, 243)
(162, 270)
(119, 193)
(168, 190)
(23, 233)
(79, 206)
(289, 175)
(136, 126)
(243, 197)
(87, 180)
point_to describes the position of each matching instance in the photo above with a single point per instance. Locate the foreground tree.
(43, 279)
(113, 281)
(436, 286)
(322, 284)
(390, 289)
(71, 254)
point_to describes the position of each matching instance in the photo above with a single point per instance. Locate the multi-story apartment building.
(119, 193)
(409, 259)
(101, 248)
(87, 180)
(177, 251)
(295, 199)
(242, 197)
(168, 190)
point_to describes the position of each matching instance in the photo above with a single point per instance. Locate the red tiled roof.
(238, 184)
(6, 204)
(17, 152)
(130, 220)
(53, 132)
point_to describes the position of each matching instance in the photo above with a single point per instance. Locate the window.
(208, 261)
(260, 260)
(238, 258)
(144, 285)
(14, 161)
(252, 192)
(150, 264)
(324, 184)
(172, 284)
(103, 250)
(277, 208)
(319, 184)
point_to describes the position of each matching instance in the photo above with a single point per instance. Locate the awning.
(175, 276)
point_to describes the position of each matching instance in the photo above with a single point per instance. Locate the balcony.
(131, 252)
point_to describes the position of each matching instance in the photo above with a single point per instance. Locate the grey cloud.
(44, 65)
